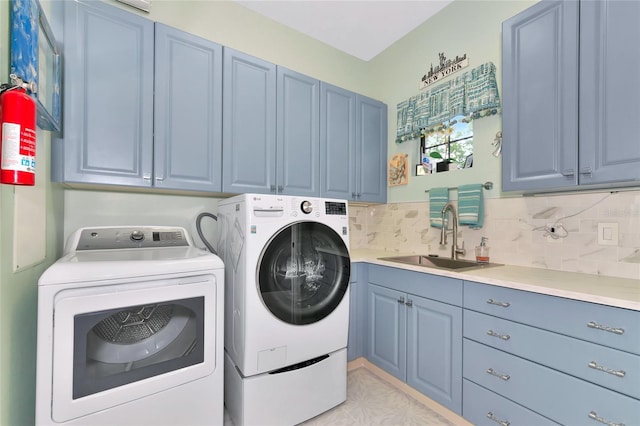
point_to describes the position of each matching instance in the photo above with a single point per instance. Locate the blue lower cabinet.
(357, 311)
(485, 408)
(416, 339)
(548, 392)
(434, 350)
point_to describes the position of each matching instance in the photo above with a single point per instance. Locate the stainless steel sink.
(439, 262)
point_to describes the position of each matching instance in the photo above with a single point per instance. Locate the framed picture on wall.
(468, 162)
(35, 58)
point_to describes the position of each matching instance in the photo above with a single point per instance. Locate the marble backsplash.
(515, 231)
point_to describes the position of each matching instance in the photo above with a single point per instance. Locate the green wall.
(471, 27)
(18, 291)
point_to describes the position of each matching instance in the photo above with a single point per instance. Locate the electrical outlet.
(555, 232)
(608, 234)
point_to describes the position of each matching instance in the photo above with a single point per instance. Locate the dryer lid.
(115, 253)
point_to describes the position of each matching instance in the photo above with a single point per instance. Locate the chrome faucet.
(455, 250)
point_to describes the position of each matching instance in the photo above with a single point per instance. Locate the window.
(451, 144)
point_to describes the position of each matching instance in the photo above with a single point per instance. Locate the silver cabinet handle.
(409, 303)
(146, 176)
(492, 417)
(493, 372)
(498, 303)
(586, 171)
(617, 373)
(272, 188)
(401, 300)
(353, 195)
(159, 179)
(568, 173)
(594, 416)
(501, 336)
(614, 330)
(280, 188)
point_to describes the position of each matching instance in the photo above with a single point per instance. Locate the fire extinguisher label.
(17, 156)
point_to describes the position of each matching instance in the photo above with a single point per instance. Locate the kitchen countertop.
(611, 291)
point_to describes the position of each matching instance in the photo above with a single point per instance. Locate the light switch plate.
(608, 234)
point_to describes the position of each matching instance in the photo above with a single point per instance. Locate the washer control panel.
(128, 237)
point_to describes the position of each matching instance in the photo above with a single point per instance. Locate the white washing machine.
(130, 331)
(287, 272)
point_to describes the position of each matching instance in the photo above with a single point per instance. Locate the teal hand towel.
(470, 206)
(438, 198)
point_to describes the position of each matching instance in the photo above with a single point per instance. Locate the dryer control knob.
(306, 207)
(137, 235)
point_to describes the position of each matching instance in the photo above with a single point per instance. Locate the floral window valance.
(473, 94)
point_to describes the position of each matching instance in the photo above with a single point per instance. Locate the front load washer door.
(303, 272)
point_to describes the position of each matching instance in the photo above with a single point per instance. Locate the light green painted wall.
(472, 27)
(18, 291)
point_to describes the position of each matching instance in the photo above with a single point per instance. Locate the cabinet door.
(298, 134)
(540, 97)
(387, 330)
(357, 311)
(434, 350)
(609, 91)
(338, 142)
(371, 150)
(188, 111)
(248, 124)
(108, 107)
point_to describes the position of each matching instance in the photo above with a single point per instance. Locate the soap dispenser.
(482, 251)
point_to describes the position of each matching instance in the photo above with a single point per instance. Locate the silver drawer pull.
(617, 373)
(501, 336)
(401, 300)
(614, 330)
(492, 417)
(594, 416)
(409, 303)
(494, 302)
(493, 372)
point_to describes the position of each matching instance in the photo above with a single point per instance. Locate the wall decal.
(445, 68)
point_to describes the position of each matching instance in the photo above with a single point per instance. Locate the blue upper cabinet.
(108, 107)
(570, 90)
(188, 111)
(540, 97)
(117, 131)
(353, 137)
(338, 142)
(371, 150)
(298, 134)
(249, 124)
(610, 89)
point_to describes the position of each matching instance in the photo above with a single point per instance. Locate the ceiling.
(361, 28)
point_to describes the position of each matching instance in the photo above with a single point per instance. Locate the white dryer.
(130, 331)
(287, 272)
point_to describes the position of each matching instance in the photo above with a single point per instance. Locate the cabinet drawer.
(605, 325)
(435, 287)
(558, 396)
(614, 369)
(485, 408)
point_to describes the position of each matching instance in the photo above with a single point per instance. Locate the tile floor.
(373, 401)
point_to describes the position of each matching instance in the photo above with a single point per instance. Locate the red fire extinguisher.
(18, 134)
